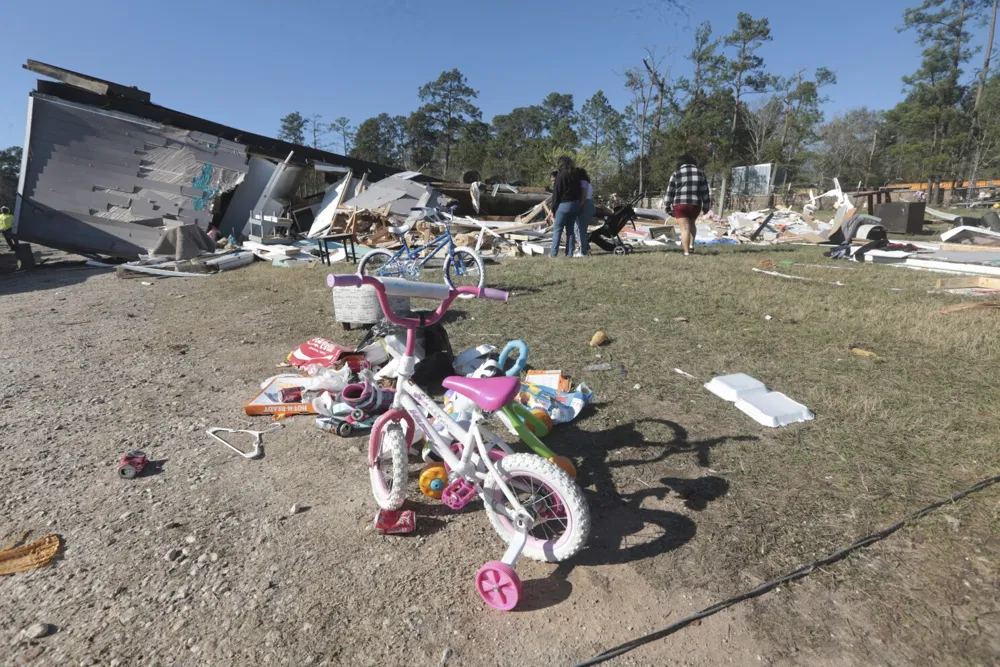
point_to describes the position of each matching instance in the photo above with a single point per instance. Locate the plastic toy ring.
(522, 357)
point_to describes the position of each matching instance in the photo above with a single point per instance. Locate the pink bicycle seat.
(490, 394)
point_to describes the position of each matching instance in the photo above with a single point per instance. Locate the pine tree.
(447, 107)
(745, 72)
(342, 128)
(293, 128)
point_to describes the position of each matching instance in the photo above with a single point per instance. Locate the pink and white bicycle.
(532, 503)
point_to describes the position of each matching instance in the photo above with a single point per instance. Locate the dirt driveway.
(201, 562)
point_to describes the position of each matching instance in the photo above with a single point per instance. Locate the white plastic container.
(734, 387)
(752, 397)
(773, 409)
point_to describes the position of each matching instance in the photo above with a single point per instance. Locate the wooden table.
(872, 195)
(347, 240)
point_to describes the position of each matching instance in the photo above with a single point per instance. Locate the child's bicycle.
(532, 503)
(462, 266)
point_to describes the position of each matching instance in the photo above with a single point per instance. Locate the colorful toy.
(519, 417)
(366, 398)
(532, 503)
(529, 425)
(521, 348)
(343, 424)
(561, 406)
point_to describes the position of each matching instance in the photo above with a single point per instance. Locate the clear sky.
(246, 63)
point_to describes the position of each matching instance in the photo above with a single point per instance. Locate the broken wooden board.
(964, 283)
(123, 270)
(978, 305)
(803, 237)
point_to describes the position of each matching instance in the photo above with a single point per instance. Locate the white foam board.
(773, 409)
(732, 387)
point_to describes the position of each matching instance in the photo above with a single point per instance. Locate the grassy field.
(889, 437)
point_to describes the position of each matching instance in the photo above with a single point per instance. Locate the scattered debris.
(978, 305)
(866, 354)
(597, 368)
(973, 236)
(752, 397)
(788, 277)
(38, 554)
(600, 338)
(132, 464)
(963, 283)
(258, 442)
(687, 375)
(395, 522)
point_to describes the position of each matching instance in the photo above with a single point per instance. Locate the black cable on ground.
(800, 573)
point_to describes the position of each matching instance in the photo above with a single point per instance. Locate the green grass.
(889, 437)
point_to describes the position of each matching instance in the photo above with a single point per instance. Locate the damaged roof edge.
(81, 88)
(93, 84)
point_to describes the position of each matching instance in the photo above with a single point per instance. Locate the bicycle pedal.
(458, 494)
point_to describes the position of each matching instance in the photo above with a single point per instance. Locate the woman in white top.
(587, 211)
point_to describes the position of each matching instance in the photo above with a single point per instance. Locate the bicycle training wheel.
(378, 264)
(387, 466)
(562, 518)
(464, 269)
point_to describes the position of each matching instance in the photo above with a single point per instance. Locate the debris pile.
(346, 389)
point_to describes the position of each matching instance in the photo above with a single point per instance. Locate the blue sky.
(246, 63)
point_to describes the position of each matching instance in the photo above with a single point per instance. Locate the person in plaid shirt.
(687, 196)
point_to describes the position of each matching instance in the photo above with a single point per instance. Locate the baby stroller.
(608, 236)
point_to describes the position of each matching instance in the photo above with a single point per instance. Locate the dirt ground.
(691, 502)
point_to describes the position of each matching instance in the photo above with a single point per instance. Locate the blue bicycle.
(462, 266)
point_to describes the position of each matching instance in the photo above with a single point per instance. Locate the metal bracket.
(522, 525)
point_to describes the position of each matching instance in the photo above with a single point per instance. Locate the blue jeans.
(565, 219)
(582, 223)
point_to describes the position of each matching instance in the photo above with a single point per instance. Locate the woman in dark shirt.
(565, 206)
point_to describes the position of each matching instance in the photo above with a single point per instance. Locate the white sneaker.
(577, 254)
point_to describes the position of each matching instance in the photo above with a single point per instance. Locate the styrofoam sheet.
(732, 387)
(773, 409)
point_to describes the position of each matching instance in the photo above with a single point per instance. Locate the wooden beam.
(71, 78)
(977, 305)
(84, 82)
(967, 283)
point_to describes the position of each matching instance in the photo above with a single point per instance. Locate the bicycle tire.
(464, 255)
(370, 259)
(559, 484)
(388, 445)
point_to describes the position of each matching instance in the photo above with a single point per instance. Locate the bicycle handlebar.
(386, 287)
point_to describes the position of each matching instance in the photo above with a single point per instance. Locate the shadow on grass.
(622, 530)
(530, 289)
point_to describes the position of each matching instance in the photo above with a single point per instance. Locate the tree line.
(730, 110)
